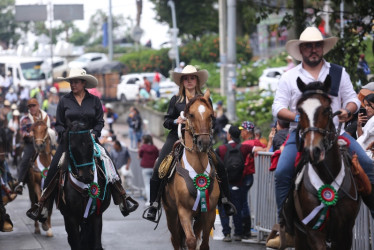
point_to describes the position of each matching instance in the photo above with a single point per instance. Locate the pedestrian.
(258, 136)
(156, 83)
(147, 84)
(79, 105)
(282, 128)
(11, 96)
(233, 154)
(136, 124)
(191, 80)
(120, 156)
(365, 133)
(53, 100)
(248, 136)
(310, 49)
(148, 154)
(111, 116)
(133, 140)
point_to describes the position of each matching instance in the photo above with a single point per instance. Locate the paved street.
(131, 232)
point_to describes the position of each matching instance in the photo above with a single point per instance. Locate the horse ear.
(207, 95)
(301, 85)
(45, 119)
(327, 84)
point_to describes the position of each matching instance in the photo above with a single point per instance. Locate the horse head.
(199, 114)
(80, 150)
(40, 134)
(316, 126)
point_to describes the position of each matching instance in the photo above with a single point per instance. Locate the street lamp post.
(174, 31)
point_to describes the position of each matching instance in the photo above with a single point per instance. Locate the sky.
(158, 33)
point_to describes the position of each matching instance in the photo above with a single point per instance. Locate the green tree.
(195, 18)
(8, 23)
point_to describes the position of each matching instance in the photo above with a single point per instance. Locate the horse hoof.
(37, 231)
(49, 233)
(45, 226)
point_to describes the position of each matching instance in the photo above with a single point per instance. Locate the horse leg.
(301, 241)
(316, 240)
(206, 226)
(72, 229)
(185, 217)
(97, 230)
(47, 224)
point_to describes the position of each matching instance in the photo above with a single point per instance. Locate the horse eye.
(191, 115)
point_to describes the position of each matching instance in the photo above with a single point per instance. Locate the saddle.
(168, 164)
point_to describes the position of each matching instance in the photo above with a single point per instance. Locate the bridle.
(189, 127)
(329, 136)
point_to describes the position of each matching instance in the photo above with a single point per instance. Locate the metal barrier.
(265, 209)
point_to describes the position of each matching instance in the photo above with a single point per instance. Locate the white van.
(26, 71)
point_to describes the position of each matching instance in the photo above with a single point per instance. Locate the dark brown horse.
(85, 195)
(189, 224)
(326, 199)
(39, 170)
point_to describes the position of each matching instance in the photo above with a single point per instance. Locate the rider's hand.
(180, 120)
(343, 117)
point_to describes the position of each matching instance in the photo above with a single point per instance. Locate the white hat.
(53, 90)
(190, 70)
(369, 86)
(11, 90)
(109, 106)
(77, 73)
(310, 34)
(226, 128)
(13, 106)
(16, 113)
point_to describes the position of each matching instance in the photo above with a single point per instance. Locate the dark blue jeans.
(246, 186)
(237, 200)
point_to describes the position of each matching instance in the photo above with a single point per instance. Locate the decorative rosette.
(201, 181)
(44, 173)
(327, 195)
(94, 190)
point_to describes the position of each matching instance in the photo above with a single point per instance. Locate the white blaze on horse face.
(201, 110)
(310, 107)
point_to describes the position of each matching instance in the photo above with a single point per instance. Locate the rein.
(94, 154)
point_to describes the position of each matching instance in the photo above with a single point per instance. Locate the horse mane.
(200, 98)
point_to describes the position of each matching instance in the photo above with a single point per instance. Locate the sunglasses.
(309, 46)
(31, 105)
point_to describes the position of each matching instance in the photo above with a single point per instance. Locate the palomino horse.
(38, 170)
(85, 195)
(186, 219)
(326, 199)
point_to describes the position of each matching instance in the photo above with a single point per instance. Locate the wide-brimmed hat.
(7, 103)
(190, 70)
(77, 73)
(310, 34)
(227, 127)
(32, 101)
(362, 94)
(13, 106)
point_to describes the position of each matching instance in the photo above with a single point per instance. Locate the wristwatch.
(349, 112)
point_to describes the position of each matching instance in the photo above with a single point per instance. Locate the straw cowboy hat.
(190, 70)
(77, 73)
(310, 34)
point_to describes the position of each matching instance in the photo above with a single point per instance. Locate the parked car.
(270, 78)
(128, 88)
(60, 66)
(88, 60)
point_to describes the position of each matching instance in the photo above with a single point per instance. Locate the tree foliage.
(8, 23)
(194, 17)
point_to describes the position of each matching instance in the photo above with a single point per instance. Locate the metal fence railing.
(265, 209)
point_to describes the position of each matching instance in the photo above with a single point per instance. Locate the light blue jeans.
(286, 166)
(147, 174)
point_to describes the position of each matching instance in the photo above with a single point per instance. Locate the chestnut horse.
(326, 199)
(38, 171)
(187, 223)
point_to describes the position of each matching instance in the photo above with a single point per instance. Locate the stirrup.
(38, 213)
(157, 206)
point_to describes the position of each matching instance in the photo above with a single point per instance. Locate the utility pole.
(174, 31)
(223, 44)
(231, 60)
(110, 33)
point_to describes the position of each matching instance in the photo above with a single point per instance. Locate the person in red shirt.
(147, 84)
(248, 135)
(233, 138)
(148, 153)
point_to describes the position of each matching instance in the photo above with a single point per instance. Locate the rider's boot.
(369, 200)
(155, 204)
(224, 184)
(125, 202)
(9, 195)
(279, 238)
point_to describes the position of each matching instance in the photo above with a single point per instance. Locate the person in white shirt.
(310, 49)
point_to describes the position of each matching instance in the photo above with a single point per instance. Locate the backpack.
(234, 163)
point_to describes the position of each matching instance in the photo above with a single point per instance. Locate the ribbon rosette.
(327, 195)
(94, 190)
(202, 182)
(44, 173)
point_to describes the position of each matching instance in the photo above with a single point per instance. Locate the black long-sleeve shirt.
(90, 111)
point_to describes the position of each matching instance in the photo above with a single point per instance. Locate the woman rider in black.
(190, 80)
(78, 105)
